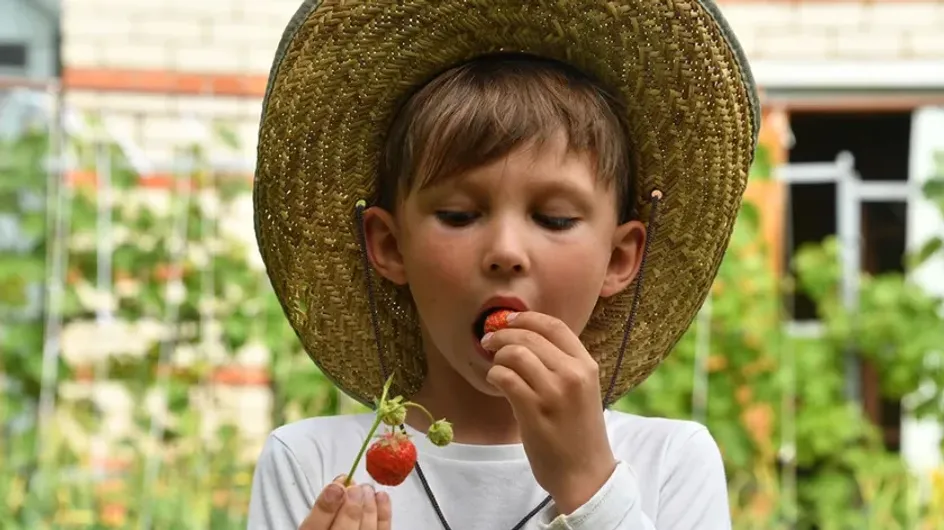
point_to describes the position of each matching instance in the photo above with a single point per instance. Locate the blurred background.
(144, 358)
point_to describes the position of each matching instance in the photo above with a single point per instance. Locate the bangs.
(481, 111)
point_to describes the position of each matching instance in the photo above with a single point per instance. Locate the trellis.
(60, 195)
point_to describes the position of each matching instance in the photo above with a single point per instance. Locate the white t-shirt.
(670, 476)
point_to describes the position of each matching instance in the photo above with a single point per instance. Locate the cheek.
(435, 263)
(576, 278)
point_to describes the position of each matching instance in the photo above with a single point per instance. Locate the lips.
(491, 305)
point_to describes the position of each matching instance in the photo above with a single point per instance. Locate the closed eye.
(556, 223)
(456, 218)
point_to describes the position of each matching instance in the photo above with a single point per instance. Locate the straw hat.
(343, 67)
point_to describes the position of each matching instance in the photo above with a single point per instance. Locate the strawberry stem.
(373, 429)
(421, 407)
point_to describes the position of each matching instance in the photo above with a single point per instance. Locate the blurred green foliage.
(223, 307)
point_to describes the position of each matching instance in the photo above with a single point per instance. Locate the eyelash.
(460, 219)
(556, 223)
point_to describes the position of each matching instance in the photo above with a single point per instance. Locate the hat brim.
(343, 68)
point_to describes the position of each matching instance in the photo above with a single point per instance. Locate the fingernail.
(339, 477)
(355, 495)
(334, 493)
(368, 490)
(486, 337)
(511, 316)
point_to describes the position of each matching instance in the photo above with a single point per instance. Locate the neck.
(446, 394)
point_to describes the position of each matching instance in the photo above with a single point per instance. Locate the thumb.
(326, 506)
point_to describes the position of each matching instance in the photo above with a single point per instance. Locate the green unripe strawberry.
(440, 433)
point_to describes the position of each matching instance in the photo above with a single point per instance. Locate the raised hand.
(553, 386)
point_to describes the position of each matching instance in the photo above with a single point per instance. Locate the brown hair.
(475, 113)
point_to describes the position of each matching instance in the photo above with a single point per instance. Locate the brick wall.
(209, 58)
(196, 36)
(838, 30)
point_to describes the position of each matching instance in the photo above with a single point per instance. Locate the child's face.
(537, 225)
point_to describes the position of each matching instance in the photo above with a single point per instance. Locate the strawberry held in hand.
(392, 457)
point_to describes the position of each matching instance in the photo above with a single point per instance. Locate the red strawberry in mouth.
(491, 321)
(497, 320)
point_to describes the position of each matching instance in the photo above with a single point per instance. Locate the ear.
(626, 259)
(383, 248)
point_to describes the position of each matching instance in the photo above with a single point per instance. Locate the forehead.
(538, 167)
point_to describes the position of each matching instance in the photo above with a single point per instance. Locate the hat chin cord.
(655, 200)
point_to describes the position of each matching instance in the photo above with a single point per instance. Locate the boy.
(578, 163)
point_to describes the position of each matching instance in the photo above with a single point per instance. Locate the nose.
(505, 250)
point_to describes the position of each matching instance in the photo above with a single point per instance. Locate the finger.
(549, 354)
(349, 518)
(384, 511)
(511, 385)
(527, 366)
(552, 329)
(325, 509)
(369, 516)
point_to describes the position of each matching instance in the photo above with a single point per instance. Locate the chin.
(474, 374)
(487, 388)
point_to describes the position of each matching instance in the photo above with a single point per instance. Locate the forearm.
(688, 501)
(616, 506)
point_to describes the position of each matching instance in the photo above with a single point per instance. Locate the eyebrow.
(566, 190)
(544, 189)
